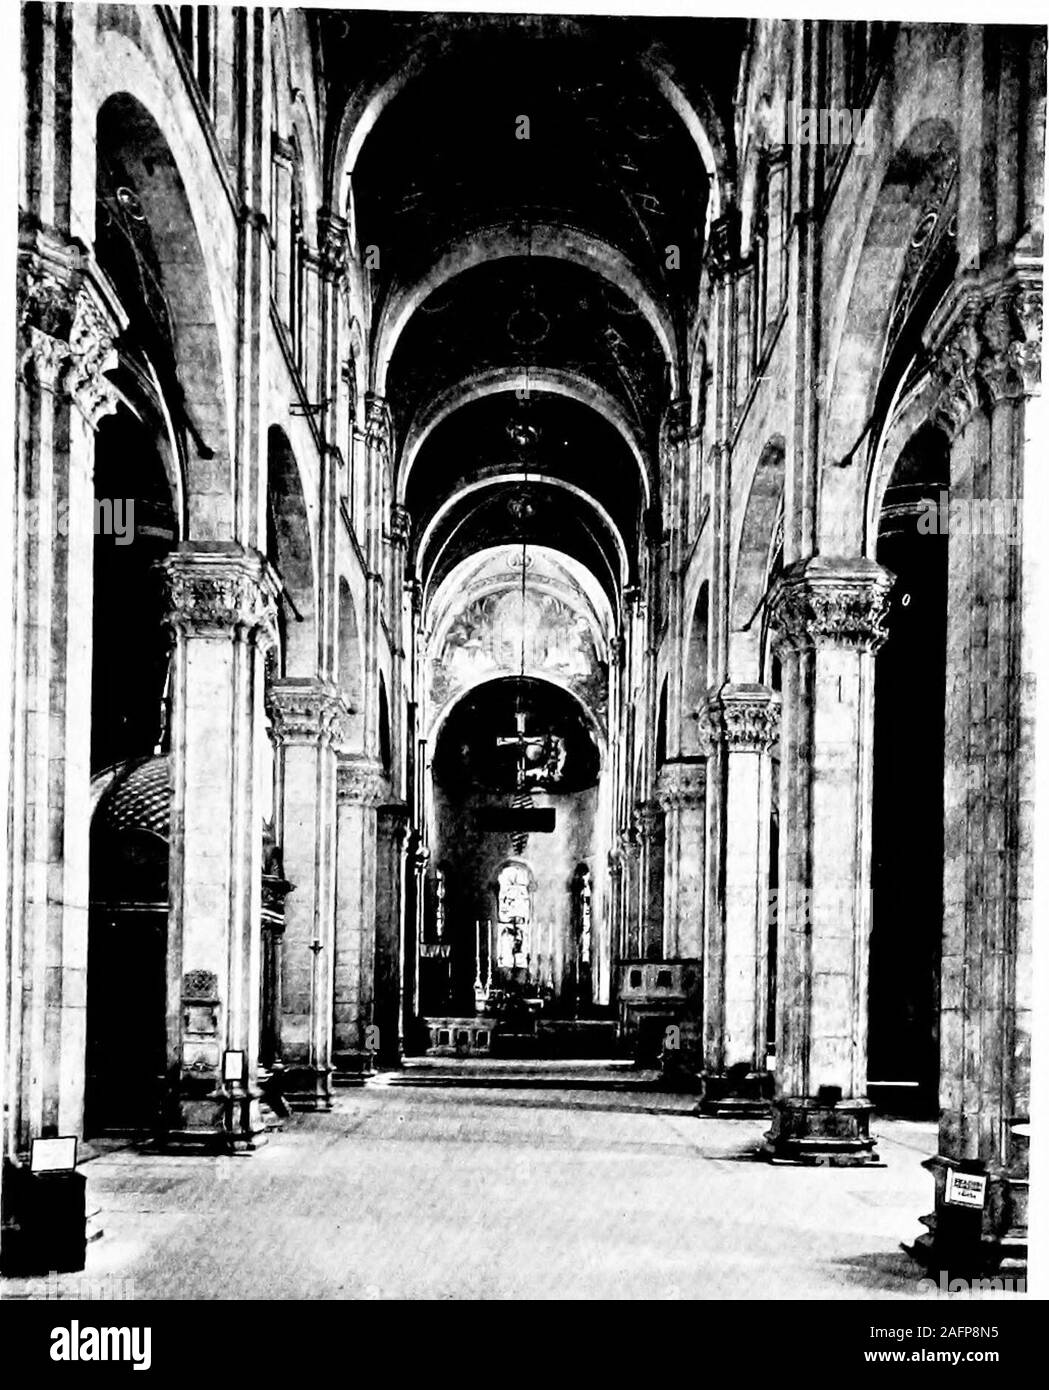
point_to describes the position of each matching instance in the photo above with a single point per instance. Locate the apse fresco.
(486, 638)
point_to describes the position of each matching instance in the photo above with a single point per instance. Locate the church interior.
(513, 642)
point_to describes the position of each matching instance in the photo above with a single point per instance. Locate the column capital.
(682, 784)
(220, 589)
(744, 718)
(400, 525)
(986, 345)
(394, 821)
(360, 781)
(333, 243)
(724, 241)
(650, 823)
(378, 423)
(304, 711)
(677, 420)
(615, 863)
(68, 324)
(829, 601)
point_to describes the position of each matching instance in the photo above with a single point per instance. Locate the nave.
(612, 1190)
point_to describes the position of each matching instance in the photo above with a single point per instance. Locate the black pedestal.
(45, 1222)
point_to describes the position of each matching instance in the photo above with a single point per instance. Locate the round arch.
(506, 241)
(199, 396)
(573, 385)
(501, 479)
(860, 330)
(362, 112)
(439, 719)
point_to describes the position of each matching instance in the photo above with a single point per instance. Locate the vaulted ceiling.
(533, 193)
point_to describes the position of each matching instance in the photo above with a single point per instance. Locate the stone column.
(221, 607)
(378, 445)
(67, 325)
(400, 735)
(615, 915)
(630, 849)
(362, 786)
(651, 833)
(389, 931)
(989, 378)
(828, 616)
(682, 794)
(304, 715)
(420, 859)
(742, 726)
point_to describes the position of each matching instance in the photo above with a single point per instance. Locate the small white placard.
(53, 1155)
(966, 1189)
(233, 1066)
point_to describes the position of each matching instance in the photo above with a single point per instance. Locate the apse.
(517, 835)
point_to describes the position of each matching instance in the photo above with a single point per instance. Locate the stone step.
(573, 1075)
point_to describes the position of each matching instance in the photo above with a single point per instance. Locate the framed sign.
(965, 1189)
(233, 1066)
(53, 1155)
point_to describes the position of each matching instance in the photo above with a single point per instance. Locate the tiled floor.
(408, 1191)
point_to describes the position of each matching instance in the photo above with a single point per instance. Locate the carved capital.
(682, 785)
(677, 420)
(955, 375)
(987, 348)
(743, 718)
(378, 423)
(67, 328)
(1011, 331)
(630, 841)
(400, 526)
(650, 822)
(823, 601)
(305, 712)
(724, 241)
(223, 591)
(393, 822)
(332, 243)
(361, 782)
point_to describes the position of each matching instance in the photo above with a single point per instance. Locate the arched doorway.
(907, 829)
(127, 949)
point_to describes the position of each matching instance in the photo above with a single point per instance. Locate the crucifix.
(523, 742)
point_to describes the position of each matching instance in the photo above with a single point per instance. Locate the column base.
(352, 1068)
(220, 1120)
(307, 1087)
(963, 1242)
(823, 1131)
(739, 1093)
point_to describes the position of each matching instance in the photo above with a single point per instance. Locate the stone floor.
(609, 1189)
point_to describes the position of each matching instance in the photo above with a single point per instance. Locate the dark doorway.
(907, 838)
